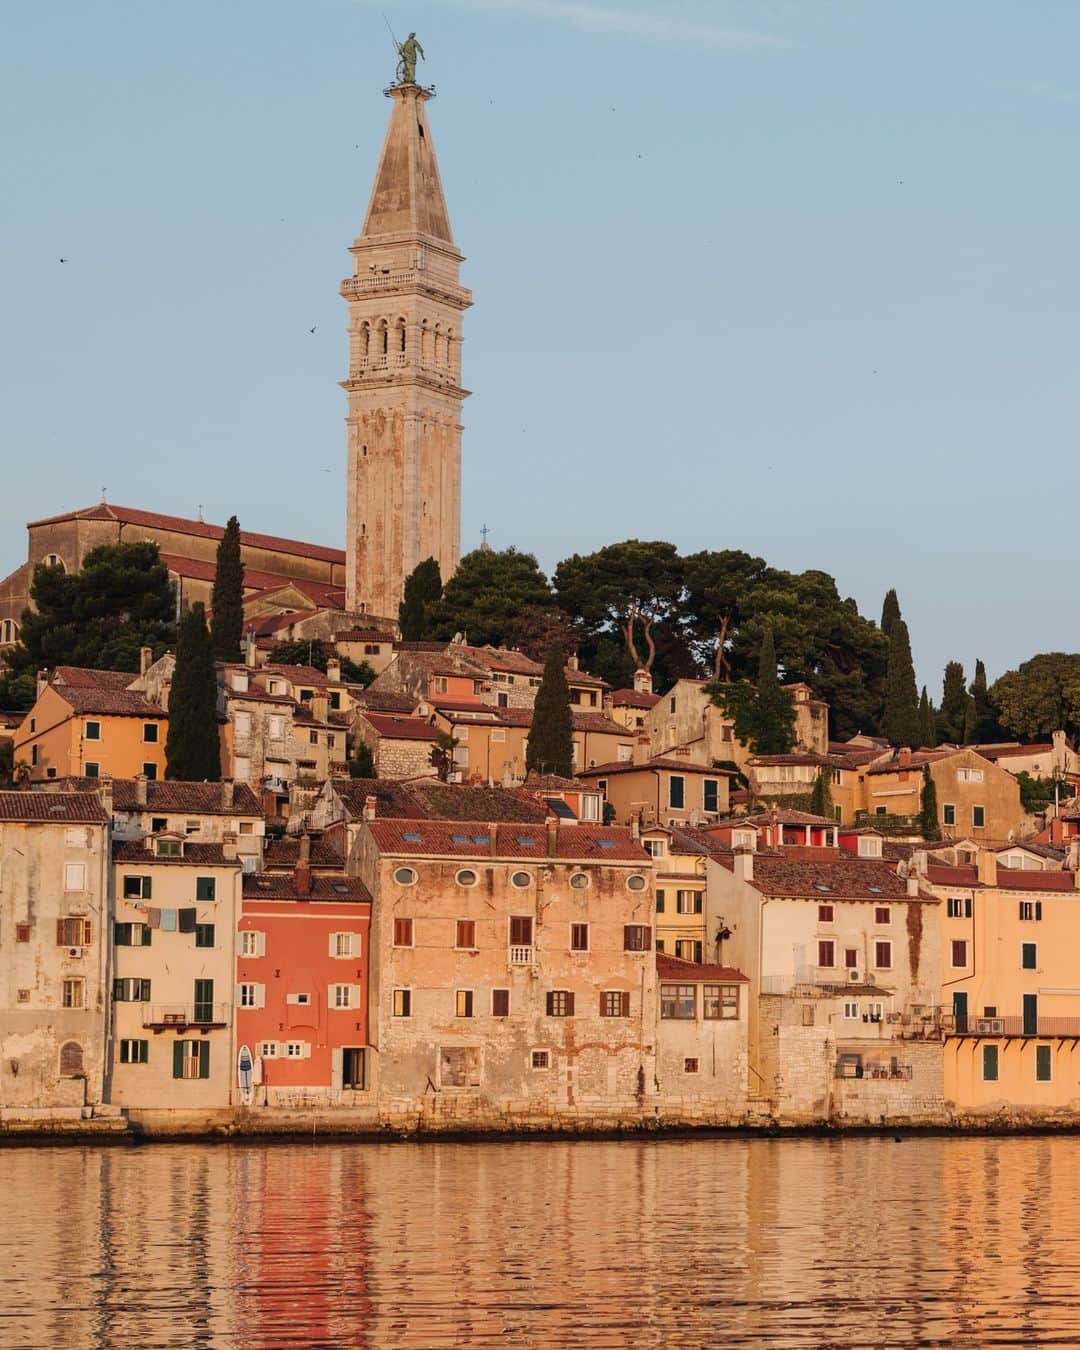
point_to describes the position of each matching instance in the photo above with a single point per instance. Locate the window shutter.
(646, 943)
(967, 909)
(204, 1059)
(88, 933)
(697, 903)
(603, 1003)
(147, 934)
(569, 1005)
(59, 932)
(1038, 909)
(659, 902)
(144, 990)
(178, 1059)
(354, 996)
(550, 998)
(336, 1069)
(146, 889)
(332, 945)
(626, 1005)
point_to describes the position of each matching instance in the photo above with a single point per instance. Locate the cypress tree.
(821, 797)
(927, 727)
(551, 738)
(986, 722)
(928, 816)
(774, 707)
(423, 591)
(901, 720)
(969, 720)
(227, 600)
(192, 747)
(890, 612)
(953, 704)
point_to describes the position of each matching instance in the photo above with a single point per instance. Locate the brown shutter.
(569, 1005)
(603, 1003)
(646, 945)
(59, 932)
(626, 1005)
(88, 933)
(551, 1004)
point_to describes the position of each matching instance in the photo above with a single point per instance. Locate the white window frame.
(851, 1010)
(74, 876)
(252, 943)
(251, 995)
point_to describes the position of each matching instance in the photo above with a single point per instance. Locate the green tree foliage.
(927, 721)
(489, 595)
(1036, 794)
(969, 720)
(227, 600)
(764, 714)
(929, 826)
(551, 737)
(954, 701)
(719, 587)
(317, 654)
(192, 747)
(99, 617)
(987, 727)
(821, 797)
(890, 612)
(900, 721)
(626, 589)
(7, 761)
(362, 764)
(442, 755)
(423, 591)
(1041, 696)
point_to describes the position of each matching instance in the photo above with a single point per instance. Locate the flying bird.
(311, 330)
(63, 260)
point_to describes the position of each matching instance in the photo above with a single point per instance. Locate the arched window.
(425, 342)
(401, 336)
(383, 338)
(55, 560)
(364, 345)
(438, 344)
(71, 1059)
(450, 348)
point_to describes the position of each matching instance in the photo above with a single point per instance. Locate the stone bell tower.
(404, 382)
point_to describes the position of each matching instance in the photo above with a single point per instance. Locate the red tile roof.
(837, 879)
(297, 674)
(392, 727)
(1008, 878)
(696, 972)
(385, 700)
(80, 677)
(110, 702)
(282, 886)
(322, 593)
(938, 874)
(996, 752)
(633, 698)
(673, 765)
(284, 853)
(196, 799)
(918, 759)
(575, 842)
(52, 808)
(195, 855)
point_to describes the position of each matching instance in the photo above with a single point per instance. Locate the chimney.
(333, 670)
(573, 662)
(903, 757)
(302, 871)
(744, 864)
(250, 651)
(42, 682)
(986, 862)
(493, 839)
(146, 659)
(642, 681)
(228, 846)
(913, 885)
(369, 807)
(635, 828)
(228, 794)
(105, 793)
(642, 748)
(320, 706)
(553, 836)
(140, 789)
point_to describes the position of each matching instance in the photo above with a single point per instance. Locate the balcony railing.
(890, 823)
(1011, 1026)
(376, 282)
(186, 1016)
(521, 956)
(851, 1068)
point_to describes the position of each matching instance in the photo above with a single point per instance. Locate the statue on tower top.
(408, 51)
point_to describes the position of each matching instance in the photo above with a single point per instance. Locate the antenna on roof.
(103, 494)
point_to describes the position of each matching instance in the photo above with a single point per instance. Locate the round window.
(636, 883)
(520, 880)
(579, 881)
(405, 876)
(466, 877)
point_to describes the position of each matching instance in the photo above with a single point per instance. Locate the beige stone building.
(54, 913)
(701, 1037)
(404, 379)
(977, 799)
(670, 790)
(205, 813)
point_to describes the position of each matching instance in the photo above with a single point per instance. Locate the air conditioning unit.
(75, 951)
(855, 976)
(990, 1026)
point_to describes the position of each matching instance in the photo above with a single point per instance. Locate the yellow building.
(672, 790)
(977, 799)
(680, 878)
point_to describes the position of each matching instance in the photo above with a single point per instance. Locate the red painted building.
(302, 986)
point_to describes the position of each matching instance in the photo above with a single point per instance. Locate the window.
(74, 933)
(520, 880)
(251, 995)
(405, 876)
(688, 902)
(344, 944)
(158, 823)
(466, 934)
(990, 1063)
(851, 1010)
(690, 1065)
(978, 817)
(463, 1003)
(267, 1049)
(959, 955)
(403, 933)
(560, 1003)
(241, 768)
(131, 991)
(659, 902)
(676, 791)
(150, 733)
(466, 877)
(402, 1003)
(825, 913)
(521, 930)
(353, 1067)
(710, 796)
(93, 731)
(192, 827)
(300, 1000)
(132, 934)
(74, 876)
(969, 775)
(73, 994)
(1042, 1064)
(719, 1001)
(344, 996)
(579, 881)
(1030, 910)
(134, 1052)
(579, 937)
(826, 953)
(205, 888)
(137, 888)
(637, 937)
(500, 1003)
(1029, 956)
(656, 848)
(883, 955)
(169, 848)
(252, 944)
(882, 914)
(296, 1049)
(541, 1059)
(948, 814)
(851, 958)
(191, 1059)
(22, 932)
(242, 725)
(688, 949)
(614, 1003)
(958, 908)
(678, 1001)
(204, 935)
(636, 882)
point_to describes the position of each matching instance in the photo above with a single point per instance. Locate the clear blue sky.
(798, 277)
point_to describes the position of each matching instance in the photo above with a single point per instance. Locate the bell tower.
(404, 382)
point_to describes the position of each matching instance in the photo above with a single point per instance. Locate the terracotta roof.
(385, 700)
(453, 801)
(837, 879)
(284, 853)
(459, 839)
(49, 808)
(110, 702)
(918, 759)
(506, 660)
(806, 757)
(180, 525)
(690, 972)
(282, 886)
(674, 765)
(1008, 878)
(398, 728)
(195, 855)
(256, 581)
(551, 782)
(392, 798)
(196, 799)
(297, 674)
(784, 817)
(362, 635)
(465, 706)
(995, 752)
(81, 677)
(632, 698)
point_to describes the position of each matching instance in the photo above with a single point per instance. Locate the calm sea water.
(786, 1243)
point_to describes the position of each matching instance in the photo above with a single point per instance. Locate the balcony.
(890, 823)
(851, 1066)
(1067, 1027)
(376, 282)
(202, 1017)
(521, 956)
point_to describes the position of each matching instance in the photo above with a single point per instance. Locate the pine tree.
(953, 705)
(423, 591)
(901, 719)
(227, 600)
(192, 747)
(890, 612)
(551, 738)
(927, 726)
(821, 797)
(928, 816)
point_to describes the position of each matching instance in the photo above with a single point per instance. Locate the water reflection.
(793, 1243)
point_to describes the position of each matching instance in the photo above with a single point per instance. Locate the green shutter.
(204, 888)
(204, 1059)
(123, 935)
(697, 903)
(178, 1059)
(1027, 956)
(990, 1063)
(1042, 1064)
(147, 888)
(659, 902)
